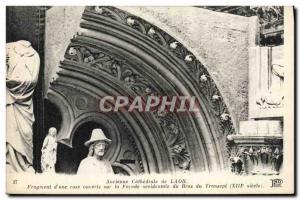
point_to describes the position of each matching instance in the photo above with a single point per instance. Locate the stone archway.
(117, 54)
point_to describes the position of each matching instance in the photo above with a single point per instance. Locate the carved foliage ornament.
(124, 72)
(191, 65)
(264, 159)
(121, 70)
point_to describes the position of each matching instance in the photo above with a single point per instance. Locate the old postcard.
(150, 100)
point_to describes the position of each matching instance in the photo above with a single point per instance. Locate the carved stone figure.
(236, 165)
(49, 150)
(94, 162)
(22, 63)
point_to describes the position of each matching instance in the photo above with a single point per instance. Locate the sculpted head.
(52, 131)
(98, 143)
(98, 149)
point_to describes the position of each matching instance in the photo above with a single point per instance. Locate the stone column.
(259, 143)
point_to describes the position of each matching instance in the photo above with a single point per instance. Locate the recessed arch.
(157, 159)
(108, 47)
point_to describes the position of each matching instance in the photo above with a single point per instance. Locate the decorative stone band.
(263, 158)
(258, 149)
(133, 80)
(152, 103)
(261, 128)
(87, 51)
(190, 63)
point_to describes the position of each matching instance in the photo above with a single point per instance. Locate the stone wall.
(62, 24)
(220, 41)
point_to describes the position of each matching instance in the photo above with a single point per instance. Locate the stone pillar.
(259, 143)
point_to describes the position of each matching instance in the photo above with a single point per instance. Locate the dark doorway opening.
(53, 117)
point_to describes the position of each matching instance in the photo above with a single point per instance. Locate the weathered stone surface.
(261, 127)
(220, 41)
(62, 23)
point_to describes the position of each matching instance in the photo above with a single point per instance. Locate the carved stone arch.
(124, 169)
(168, 89)
(86, 82)
(117, 53)
(67, 112)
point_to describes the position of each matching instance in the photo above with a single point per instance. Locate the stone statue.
(22, 65)
(94, 163)
(49, 150)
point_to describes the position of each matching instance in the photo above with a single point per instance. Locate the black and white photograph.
(149, 99)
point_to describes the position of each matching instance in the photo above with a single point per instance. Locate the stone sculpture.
(22, 64)
(49, 150)
(94, 163)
